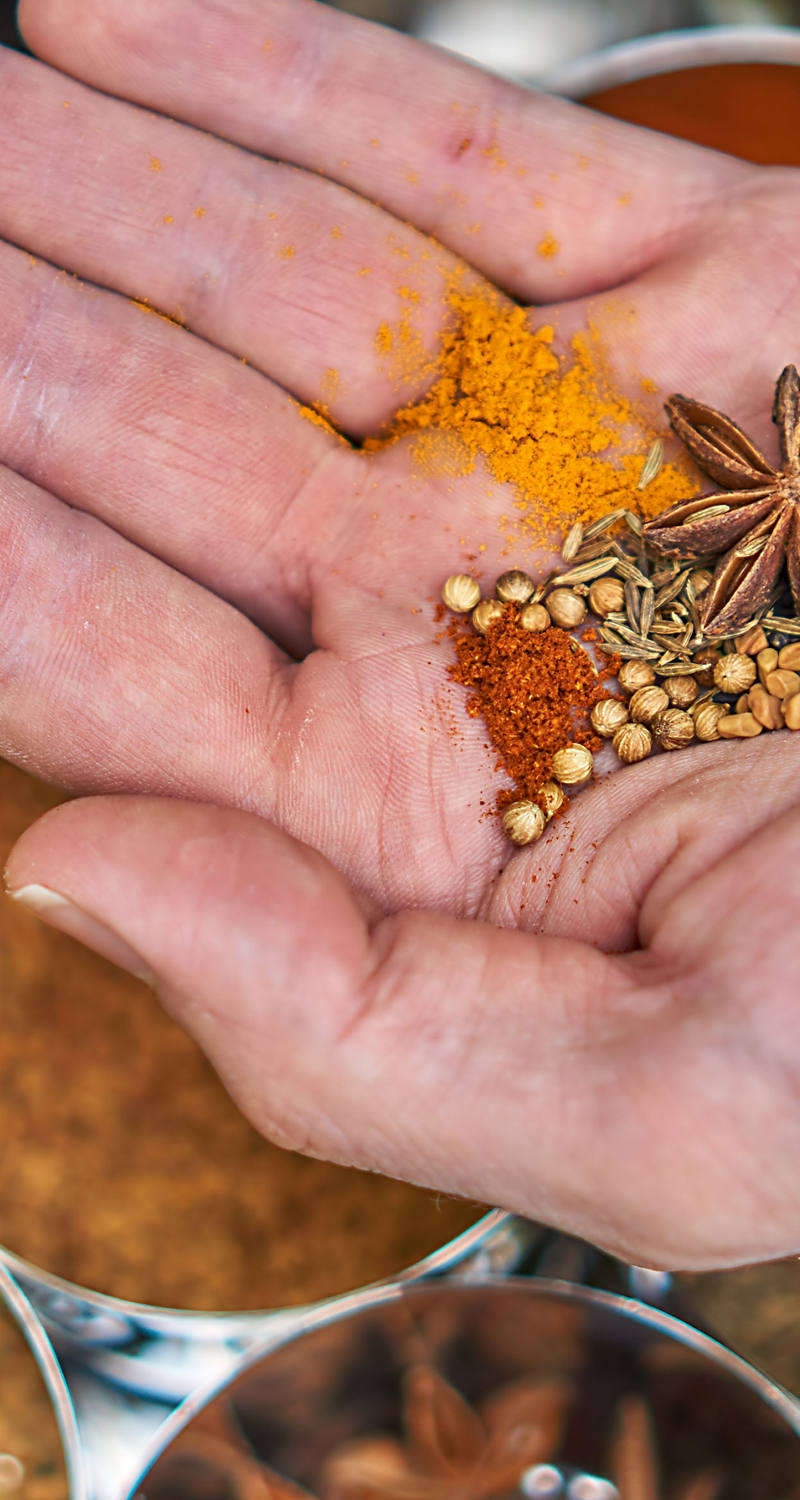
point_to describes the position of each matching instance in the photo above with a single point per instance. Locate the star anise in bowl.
(752, 525)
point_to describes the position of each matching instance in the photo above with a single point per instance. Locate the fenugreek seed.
(572, 542)
(789, 657)
(707, 719)
(647, 703)
(551, 798)
(742, 704)
(567, 609)
(523, 822)
(606, 597)
(766, 661)
(700, 578)
(783, 684)
(764, 707)
(735, 673)
(738, 727)
(791, 712)
(608, 716)
(533, 617)
(573, 765)
(632, 742)
(751, 641)
(673, 729)
(635, 674)
(461, 593)
(485, 614)
(514, 587)
(681, 691)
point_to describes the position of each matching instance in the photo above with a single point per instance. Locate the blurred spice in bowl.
(127, 1169)
(31, 1457)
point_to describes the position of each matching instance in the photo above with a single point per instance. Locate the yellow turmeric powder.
(551, 427)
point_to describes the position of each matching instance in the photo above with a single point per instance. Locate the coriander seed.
(735, 673)
(607, 716)
(461, 593)
(553, 798)
(606, 596)
(567, 609)
(514, 587)
(523, 822)
(647, 703)
(533, 617)
(681, 691)
(632, 742)
(485, 614)
(635, 674)
(573, 765)
(706, 658)
(673, 729)
(706, 720)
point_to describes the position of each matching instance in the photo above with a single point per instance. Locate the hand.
(209, 600)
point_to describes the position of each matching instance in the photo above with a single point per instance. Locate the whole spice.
(573, 765)
(738, 727)
(673, 729)
(766, 662)
(523, 822)
(782, 683)
(706, 659)
(514, 587)
(647, 703)
(485, 614)
(706, 720)
(754, 521)
(534, 617)
(789, 657)
(566, 608)
(606, 596)
(607, 717)
(735, 673)
(752, 641)
(635, 674)
(633, 742)
(681, 691)
(791, 712)
(551, 798)
(461, 593)
(764, 707)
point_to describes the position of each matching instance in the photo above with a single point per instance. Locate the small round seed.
(707, 658)
(608, 716)
(706, 720)
(673, 729)
(606, 596)
(738, 727)
(523, 822)
(12, 1474)
(461, 593)
(681, 691)
(632, 742)
(514, 587)
(789, 657)
(572, 765)
(567, 609)
(647, 703)
(553, 798)
(791, 712)
(635, 674)
(735, 673)
(485, 614)
(533, 617)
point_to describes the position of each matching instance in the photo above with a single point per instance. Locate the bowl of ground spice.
(126, 1169)
(502, 1388)
(40, 1457)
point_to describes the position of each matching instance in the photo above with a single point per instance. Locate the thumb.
(461, 1057)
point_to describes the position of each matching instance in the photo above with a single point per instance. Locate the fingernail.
(58, 912)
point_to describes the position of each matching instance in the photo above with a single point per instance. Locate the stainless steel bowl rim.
(668, 51)
(781, 1401)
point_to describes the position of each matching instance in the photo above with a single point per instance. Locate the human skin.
(214, 616)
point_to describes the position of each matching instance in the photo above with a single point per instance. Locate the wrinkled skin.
(216, 619)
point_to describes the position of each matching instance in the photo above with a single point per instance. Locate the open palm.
(209, 598)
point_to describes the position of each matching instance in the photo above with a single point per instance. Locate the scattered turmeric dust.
(547, 246)
(155, 164)
(286, 252)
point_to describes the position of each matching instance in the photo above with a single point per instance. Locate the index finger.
(544, 197)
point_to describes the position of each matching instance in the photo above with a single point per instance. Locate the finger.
(189, 453)
(541, 196)
(532, 1073)
(285, 270)
(116, 671)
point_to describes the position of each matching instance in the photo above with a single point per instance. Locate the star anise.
(753, 522)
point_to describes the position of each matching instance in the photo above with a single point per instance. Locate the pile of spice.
(697, 615)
